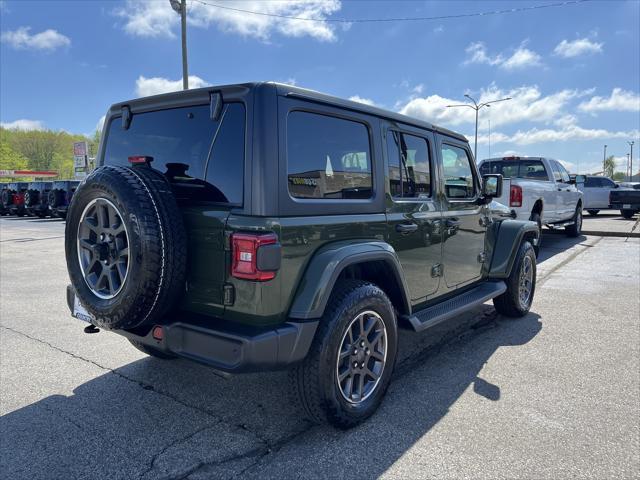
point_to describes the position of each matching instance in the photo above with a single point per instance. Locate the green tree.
(609, 166)
(10, 159)
(619, 177)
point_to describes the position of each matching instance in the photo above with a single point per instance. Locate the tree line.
(41, 150)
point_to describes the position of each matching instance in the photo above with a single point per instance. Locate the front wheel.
(627, 213)
(348, 369)
(593, 213)
(521, 284)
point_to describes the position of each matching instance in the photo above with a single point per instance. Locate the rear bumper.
(625, 206)
(227, 346)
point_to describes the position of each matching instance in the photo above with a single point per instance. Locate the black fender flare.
(326, 266)
(504, 239)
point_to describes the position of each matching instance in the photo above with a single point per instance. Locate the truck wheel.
(348, 368)
(153, 352)
(521, 284)
(593, 213)
(627, 213)
(125, 245)
(535, 217)
(575, 229)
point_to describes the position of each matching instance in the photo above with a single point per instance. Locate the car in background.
(538, 189)
(60, 197)
(626, 199)
(12, 198)
(36, 199)
(595, 192)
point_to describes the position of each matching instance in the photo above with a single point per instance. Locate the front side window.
(328, 157)
(557, 176)
(458, 174)
(409, 168)
(564, 175)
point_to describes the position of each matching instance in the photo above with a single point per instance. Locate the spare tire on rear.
(126, 246)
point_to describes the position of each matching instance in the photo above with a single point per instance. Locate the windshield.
(530, 169)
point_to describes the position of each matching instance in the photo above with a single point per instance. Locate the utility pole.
(476, 106)
(180, 6)
(631, 160)
(604, 158)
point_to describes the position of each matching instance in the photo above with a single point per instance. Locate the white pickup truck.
(538, 189)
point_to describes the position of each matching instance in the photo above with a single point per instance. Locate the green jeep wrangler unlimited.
(261, 226)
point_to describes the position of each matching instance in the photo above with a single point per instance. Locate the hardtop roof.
(197, 94)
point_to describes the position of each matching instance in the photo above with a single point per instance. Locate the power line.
(398, 19)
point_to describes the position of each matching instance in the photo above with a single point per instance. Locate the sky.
(573, 72)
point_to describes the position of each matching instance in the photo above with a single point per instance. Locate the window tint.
(180, 140)
(328, 157)
(563, 173)
(607, 182)
(225, 170)
(591, 182)
(531, 169)
(458, 175)
(409, 169)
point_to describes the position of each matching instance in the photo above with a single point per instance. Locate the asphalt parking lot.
(553, 395)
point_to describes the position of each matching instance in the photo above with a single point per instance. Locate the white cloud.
(575, 48)
(570, 133)
(48, 40)
(418, 89)
(366, 101)
(152, 18)
(439, 29)
(619, 100)
(157, 85)
(522, 57)
(527, 104)
(23, 124)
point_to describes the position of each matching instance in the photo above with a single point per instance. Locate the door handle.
(405, 228)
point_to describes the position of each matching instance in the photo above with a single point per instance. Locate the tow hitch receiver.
(91, 329)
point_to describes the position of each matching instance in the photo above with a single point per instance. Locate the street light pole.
(477, 106)
(604, 159)
(180, 6)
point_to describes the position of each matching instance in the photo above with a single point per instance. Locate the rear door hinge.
(436, 270)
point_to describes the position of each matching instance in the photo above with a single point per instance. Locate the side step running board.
(430, 316)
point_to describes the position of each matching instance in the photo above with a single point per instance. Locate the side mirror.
(492, 185)
(617, 185)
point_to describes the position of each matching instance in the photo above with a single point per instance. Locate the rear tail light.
(140, 159)
(515, 196)
(245, 250)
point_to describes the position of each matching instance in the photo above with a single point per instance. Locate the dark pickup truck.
(626, 199)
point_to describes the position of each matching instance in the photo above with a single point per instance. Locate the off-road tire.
(628, 214)
(508, 303)
(153, 352)
(593, 213)
(575, 229)
(31, 198)
(314, 381)
(157, 243)
(55, 198)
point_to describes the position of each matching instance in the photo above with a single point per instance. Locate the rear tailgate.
(625, 197)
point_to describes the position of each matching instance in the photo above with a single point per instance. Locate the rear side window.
(591, 182)
(187, 146)
(409, 166)
(328, 157)
(458, 174)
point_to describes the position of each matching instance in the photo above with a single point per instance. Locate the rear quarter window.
(328, 157)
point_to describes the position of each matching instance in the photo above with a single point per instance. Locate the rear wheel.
(627, 213)
(521, 284)
(349, 366)
(535, 217)
(575, 229)
(593, 213)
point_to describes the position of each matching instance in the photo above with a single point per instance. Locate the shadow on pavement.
(170, 419)
(554, 243)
